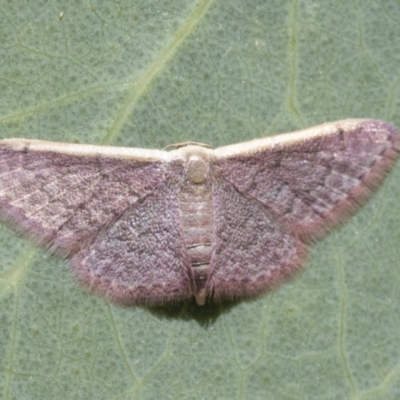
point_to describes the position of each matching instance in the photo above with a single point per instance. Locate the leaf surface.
(150, 73)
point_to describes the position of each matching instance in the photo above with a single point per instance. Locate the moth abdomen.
(197, 214)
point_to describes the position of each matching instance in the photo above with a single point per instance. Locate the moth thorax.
(196, 169)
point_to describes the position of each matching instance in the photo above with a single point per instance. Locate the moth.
(152, 227)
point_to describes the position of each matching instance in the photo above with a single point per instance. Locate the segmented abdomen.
(198, 223)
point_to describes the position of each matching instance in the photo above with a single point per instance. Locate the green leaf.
(150, 73)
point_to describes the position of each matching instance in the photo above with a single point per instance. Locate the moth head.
(196, 161)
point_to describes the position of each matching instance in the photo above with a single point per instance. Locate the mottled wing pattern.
(299, 185)
(252, 251)
(141, 257)
(114, 211)
(60, 199)
(315, 178)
